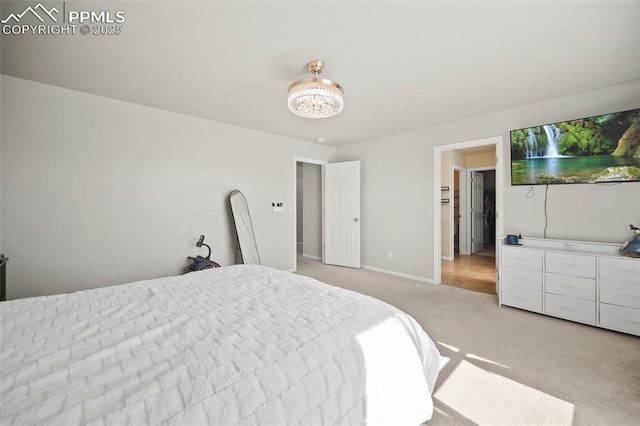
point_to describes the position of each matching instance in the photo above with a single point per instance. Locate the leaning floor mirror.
(246, 247)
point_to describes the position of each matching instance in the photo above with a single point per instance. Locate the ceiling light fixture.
(315, 97)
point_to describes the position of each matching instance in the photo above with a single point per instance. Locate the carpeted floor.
(507, 366)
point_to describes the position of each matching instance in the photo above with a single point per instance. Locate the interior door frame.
(321, 163)
(437, 210)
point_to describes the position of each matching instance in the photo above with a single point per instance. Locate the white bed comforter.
(234, 345)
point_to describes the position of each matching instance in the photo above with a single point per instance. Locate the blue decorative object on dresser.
(631, 247)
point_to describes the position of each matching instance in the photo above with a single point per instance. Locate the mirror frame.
(245, 237)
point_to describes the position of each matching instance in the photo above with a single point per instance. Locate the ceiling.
(403, 65)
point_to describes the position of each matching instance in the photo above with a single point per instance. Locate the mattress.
(238, 345)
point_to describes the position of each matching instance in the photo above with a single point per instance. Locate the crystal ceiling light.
(315, 97)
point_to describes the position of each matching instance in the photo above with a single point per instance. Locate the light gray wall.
(99, 192)
(312, 210)
(397, 188)
(446, 222)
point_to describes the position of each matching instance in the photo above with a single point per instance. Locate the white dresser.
(575, 280)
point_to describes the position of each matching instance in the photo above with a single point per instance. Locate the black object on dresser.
(3, 277)
(200, 263)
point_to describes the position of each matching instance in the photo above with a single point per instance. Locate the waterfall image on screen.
(603, 148)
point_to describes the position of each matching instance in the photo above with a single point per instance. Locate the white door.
(477, 212)
(342, 214)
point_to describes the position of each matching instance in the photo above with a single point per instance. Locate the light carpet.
(508, 366)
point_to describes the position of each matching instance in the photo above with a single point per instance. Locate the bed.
(241, 344)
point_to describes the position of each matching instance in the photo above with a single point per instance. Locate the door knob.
(355, 219)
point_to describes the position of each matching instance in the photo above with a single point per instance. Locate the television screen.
(604, 148)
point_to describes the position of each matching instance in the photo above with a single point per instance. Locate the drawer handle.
(569, 309)
(572, 265)
(519, 298)
(628, 271)
(629, 321)
(570, 287)
(519, 258)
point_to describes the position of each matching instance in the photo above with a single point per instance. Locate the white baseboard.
(398, 274)
(447, 258)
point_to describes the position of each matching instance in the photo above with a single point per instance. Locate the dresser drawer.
(570, 308)
(622, 294)
(519, 277)
(620, 318)
(571, 264)
(568, 285)
(519, 297)
(625, 270)
(522, 258)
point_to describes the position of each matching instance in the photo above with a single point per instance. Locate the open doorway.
(473, 264)
(456, 211)
(308, 209)
(483, 212)
(467, 212)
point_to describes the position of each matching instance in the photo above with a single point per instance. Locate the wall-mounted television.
(603, 148)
